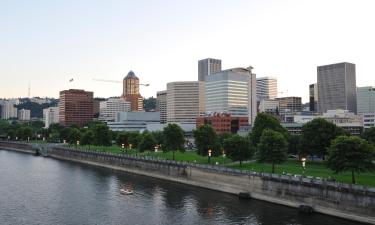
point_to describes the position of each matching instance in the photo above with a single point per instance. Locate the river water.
(37, 190)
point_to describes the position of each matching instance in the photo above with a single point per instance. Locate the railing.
(297, 179)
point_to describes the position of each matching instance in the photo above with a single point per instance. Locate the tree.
(102, 135)
(369, 135)
(87, 138)
(205, 138)
(266, 121)
(74, 135)
(134, 139)
(147, 142)
(350, 154)
(317, 135)
(294, 144)
(24, 133)
(64, 133)
(272, 148)
(122, 138)
(173, 138)
(237, 148)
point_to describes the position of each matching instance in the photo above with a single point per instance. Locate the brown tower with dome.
(131, 92)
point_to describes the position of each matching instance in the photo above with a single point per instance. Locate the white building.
(368, 120)
(269, 105)
(232, 91)
(8, 110)
(134, 121)
(40, 100)
(109, 109)
(23, 115)
(183, 101)
(266, 88)
(50, 116)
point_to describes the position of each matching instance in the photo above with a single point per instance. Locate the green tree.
(272, 148)
(102, 135)
(294, 144)
(350, 154)
(173, 138)
(64, 134)
(4, 127)
(266, 121)
(317, 135)
(147, 142)
(238, 148)
(24, 133)
(122, 138)
(74, 135)
(134, 139)
(205, 138)
(369, 135)
(87, 138)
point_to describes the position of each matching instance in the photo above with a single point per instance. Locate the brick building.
(224, 123)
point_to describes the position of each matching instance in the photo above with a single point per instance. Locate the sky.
(43, 44)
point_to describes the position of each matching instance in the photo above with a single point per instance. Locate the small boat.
(126, 191)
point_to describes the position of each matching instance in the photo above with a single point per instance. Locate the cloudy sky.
(45, 43)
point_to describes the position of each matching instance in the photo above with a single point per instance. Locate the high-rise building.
(288, 106)
(207, 67)
(23, 115)
(112, 106)
(366, 100)
(131, 92)
(50, 116)
(182, 101)
(75, 107)
(313, 94)
(266, 88)
(161, 105)
(337, 87)
(232, 91)
(269, 106)
(8, 110)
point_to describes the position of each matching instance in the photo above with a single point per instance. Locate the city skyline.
(46, 44)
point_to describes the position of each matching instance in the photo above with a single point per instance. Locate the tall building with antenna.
(131, 92)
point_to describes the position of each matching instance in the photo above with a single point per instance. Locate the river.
(45, 191)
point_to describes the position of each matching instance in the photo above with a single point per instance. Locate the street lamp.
(130, 146)
(209, 156)
(123, 146)
(156, 148)
(304, 164)
(224, 155)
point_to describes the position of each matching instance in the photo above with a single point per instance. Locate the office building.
(8, 110)
(207, 67)
(269, 106)
(161, 105)
(112, 106)
(365, 100)
(266, 88)
(368, 120)
(232, 91)
(131, 92)
(23, 115)
(313, 97)
(50, 116)
(183, 101)
(75, 107)
(337, 87)
(223, 123)
(288, 107)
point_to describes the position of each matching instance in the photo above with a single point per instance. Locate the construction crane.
(116, 81)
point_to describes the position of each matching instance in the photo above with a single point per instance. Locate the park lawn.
(315, 169)
(187, 156)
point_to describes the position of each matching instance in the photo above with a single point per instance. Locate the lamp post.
(130, 146)
(303, 165)
(209, 156)
(224, 155)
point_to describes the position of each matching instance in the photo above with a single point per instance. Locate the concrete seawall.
(347, 201)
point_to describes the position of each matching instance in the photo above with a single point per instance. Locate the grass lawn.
(315, 169)
(188, 156)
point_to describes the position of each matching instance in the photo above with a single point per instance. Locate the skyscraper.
(337, 87)
(75, 107)
(131, 92)
(266, 88)
(313, 94)
(232, 91)
(8, 110)
(182, 101)
(207, 67)
(161, 105)
(365, 100)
